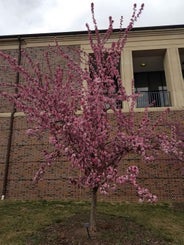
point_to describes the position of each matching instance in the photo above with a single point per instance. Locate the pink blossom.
(52, 140)
(30, 131)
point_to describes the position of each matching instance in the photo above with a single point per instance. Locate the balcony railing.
(154, 98)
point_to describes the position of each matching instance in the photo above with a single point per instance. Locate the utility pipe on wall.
(10, 136)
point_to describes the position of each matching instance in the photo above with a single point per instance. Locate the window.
(94, 72)
(149, 78)
(181, 53)
(152, 87)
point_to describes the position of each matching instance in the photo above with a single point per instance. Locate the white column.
(127, 72)
(174, 77)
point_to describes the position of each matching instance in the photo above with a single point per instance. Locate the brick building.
(154, 56)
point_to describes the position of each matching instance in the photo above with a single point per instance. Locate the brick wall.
(163, 177)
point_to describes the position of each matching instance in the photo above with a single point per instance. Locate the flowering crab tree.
(80, 107)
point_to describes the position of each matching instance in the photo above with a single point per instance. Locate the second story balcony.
(159, 98)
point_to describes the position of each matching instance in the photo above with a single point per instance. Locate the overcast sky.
(43, 16)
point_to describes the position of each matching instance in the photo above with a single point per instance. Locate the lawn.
(57, 222)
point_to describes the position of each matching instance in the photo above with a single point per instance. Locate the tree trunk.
(93, 210)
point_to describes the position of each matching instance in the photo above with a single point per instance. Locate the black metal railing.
(159, 98)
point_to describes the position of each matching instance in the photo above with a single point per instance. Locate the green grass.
(55, 222)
